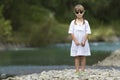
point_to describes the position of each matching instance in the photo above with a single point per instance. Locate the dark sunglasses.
(77, 12)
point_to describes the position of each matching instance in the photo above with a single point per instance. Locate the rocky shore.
(112, 60)
(69, 74)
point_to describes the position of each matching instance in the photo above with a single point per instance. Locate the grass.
(45, 56)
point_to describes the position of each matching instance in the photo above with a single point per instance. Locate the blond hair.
(79, 8)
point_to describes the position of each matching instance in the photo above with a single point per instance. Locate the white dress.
(79, 32)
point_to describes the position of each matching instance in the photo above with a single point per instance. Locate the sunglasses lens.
(79, 12)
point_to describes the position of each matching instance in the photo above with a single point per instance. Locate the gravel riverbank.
(58, 73)
(69, 74)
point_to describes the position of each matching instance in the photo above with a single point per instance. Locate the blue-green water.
(58, 54)
(97, 46)
(105, 46)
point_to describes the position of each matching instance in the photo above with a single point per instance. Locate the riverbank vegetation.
(44, 22)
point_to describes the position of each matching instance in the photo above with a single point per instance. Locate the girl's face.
(79, 13)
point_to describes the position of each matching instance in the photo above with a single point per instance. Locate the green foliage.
(103, 33)
(47, 30)
(102, 10)
(42, 22)
(39, 27)
(5, 28)
(116, 27)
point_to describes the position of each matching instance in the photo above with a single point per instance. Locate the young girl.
(79, 29)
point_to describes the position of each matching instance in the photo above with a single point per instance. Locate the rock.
(4, 76)
(112, 60)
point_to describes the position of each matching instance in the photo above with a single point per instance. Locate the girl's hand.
(83, 44)
(77, 43)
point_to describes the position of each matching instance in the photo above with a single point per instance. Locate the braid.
(75, 21)
(83, 20)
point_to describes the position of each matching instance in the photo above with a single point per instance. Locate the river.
(29, 60)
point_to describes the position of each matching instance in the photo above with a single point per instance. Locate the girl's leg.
(77, 58)
(83, 62)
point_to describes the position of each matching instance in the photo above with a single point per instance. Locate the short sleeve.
(87, 26)
(71, 27)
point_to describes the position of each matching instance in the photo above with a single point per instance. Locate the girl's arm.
(74, 39)
(84, 40)
(88, 31)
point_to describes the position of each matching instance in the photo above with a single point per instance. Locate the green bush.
(5, 28)
(39, 27)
